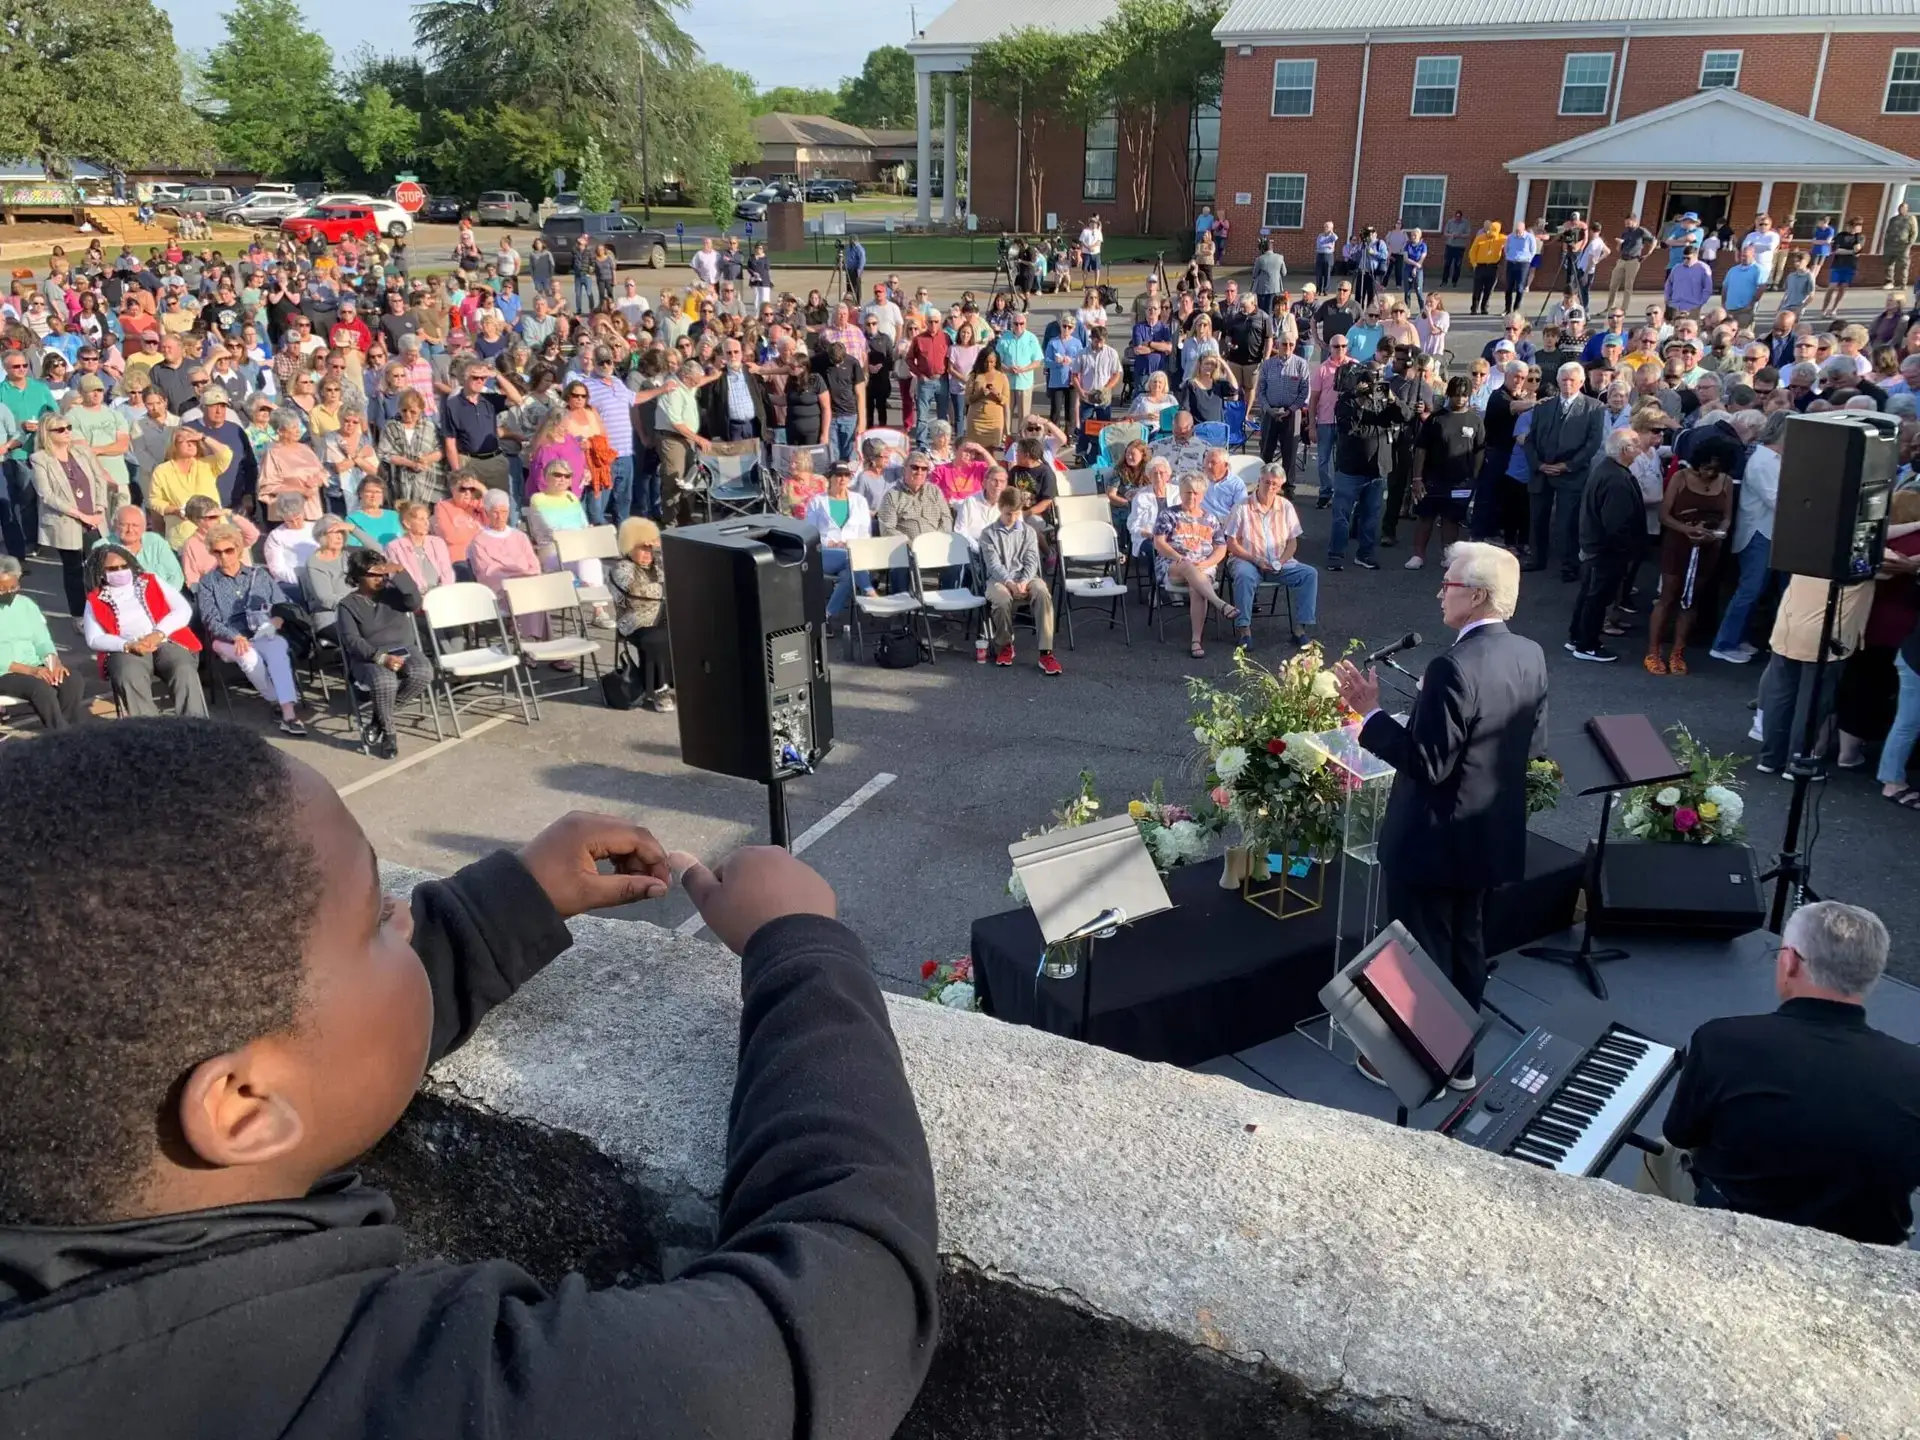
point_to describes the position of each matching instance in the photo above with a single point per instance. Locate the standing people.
(1846, 260)
(1326, 245)
(1269, 276)
(1280, 395)
(1901, 235)
(1612, 530)
(1457, 232)
(1521, 249)
(1456, 823)
(1561, 442)
(1695, 517)
(1484, 255)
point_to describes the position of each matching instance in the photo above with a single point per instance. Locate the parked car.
(777, 190)
(503, 207)
(443, 210)
(272, 187)
(745, 185)
(632, 242)
(828, 188)
(393, 221)
(334, 222)
(752, 210)
(267, 209)
(199, 200)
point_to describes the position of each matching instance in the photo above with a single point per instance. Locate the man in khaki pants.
(1010, 560)
(1903, 230)
(1634, 243)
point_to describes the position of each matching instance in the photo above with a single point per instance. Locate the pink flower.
(927, 967)
(1219, 796)
(963, 968)
(1174, 814)
(1685, 818)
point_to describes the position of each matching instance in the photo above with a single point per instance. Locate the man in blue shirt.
(1064, 350)
(1020, 357)
(1522, 245)
(1680, 234)
(1152, 344)
(1413, 276)
(1741, 287)
(856, 263)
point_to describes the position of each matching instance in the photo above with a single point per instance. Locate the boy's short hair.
(130, 953)
(1012, 498)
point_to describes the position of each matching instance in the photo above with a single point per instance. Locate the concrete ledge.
(1136, 1251)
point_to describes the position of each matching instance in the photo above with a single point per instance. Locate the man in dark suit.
(734, 406)
(1561, 443)
(1456, 822)
(1808, 1115)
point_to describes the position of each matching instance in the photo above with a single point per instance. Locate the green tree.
(70, 72)
(796, 100)
(698, 128)
(1164, 62)
(378, 134)
(594, 181)
(1040, 77)
(503, 147)
(882, 94)
(273, 79)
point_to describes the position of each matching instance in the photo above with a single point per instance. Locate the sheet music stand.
(1590, 770)
(1084, 883)
(1407, 1076)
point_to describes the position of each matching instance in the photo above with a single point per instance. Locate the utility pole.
(646, 179)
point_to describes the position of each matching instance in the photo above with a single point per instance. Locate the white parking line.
(389, 771)
(693, 924)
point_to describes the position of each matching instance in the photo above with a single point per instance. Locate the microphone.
(1408, 641)
(1101, 925)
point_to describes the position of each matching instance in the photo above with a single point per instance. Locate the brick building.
(1507, 110)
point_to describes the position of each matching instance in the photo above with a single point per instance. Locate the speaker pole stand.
(777, 814)
(1789, 873)
(1585, 960)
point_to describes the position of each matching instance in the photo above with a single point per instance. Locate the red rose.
(1276, 747)
(927, 967)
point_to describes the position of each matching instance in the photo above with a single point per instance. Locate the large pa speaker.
(746, 618)
(1684, 889)
(1836, 487)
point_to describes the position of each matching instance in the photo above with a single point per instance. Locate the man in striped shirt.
(613, 402)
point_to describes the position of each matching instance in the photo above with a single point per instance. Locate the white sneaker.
(1414, 562)
(1739, 655)
(1756, 733)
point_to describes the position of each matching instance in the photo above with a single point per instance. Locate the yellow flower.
(1137, 809)
(1709, 811)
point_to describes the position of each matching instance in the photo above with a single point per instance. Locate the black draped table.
(1214, 974)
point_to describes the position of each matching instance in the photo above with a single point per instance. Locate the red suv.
(333, 222)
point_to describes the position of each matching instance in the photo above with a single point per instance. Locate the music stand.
(1082, 884)
(1410, 1078)
(1591, 768)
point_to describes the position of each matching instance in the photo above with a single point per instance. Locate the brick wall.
(1063, 150)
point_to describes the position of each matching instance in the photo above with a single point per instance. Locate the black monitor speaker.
(1836, 489)
(1684, 889)
(746, 617)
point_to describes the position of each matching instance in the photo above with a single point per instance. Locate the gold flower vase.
(1280, 894)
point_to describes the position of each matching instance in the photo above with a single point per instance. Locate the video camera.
(1357, 380)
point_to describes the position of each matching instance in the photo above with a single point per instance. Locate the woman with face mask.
(141, 627)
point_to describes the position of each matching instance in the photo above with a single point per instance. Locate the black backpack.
(898, 649)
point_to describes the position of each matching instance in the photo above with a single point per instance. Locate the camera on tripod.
(839, 252)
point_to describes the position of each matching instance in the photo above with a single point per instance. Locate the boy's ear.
(232, 1113)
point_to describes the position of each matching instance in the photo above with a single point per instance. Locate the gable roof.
(1290, 21)
(1718, 135)
(780, 128)
(966, 25)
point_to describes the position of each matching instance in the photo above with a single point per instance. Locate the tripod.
(1003, 283)
(837, 287)
(1789, 873)
(1568, 281)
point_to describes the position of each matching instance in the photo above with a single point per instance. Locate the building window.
(1436, 85)
(1203, 151)
(1568, 197)
(1903, 83)
(1103, 159)
(1286, 207)
(1293, 86)
(1816, 203)
(1720, 70)
(1423, 202)
(1585, 82)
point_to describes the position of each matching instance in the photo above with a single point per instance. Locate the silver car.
(503, 207)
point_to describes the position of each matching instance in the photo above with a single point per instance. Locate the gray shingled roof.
(1288, 19)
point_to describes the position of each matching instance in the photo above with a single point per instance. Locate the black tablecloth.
(1215, 974)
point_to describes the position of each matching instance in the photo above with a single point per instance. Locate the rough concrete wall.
(1137, 1251)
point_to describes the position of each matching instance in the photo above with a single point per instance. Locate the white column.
(1522, 185)
(1640, 200)
(923, 123)
(949, 156)
(1880, 221)
(1766, 197)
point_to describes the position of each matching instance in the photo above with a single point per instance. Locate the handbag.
(897, 650)
(620, 687)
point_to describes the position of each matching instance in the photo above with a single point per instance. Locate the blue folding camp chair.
(1211, 432)
(1236, 411)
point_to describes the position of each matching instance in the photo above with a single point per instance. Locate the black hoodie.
(814, 1315)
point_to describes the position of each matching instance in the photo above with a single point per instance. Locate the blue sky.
(810, 43)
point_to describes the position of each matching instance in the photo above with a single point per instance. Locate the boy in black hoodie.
(207, 1008)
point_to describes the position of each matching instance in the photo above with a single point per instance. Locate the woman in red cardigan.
(141, 627)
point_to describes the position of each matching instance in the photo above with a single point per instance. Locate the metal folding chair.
(596, 542)
(553, 594)
(455, 607)
(949, 605)
(1091, 548)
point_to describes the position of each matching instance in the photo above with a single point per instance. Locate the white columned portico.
(1766, 197)
(1522, 184)
(1639, 201)
(923, 140)
(949, 165)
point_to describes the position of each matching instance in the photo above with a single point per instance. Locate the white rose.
(1186, 839)
(1199, 736)
(958, 996)
(1668, 797)
(1324, 687)
(1016, 887)
(1732, 807)
(1230, 762)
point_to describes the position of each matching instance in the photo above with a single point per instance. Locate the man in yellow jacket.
(1484, 255)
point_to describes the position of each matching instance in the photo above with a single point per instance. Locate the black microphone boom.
(1408, 641)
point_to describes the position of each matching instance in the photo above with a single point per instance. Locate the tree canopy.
(1038, 76)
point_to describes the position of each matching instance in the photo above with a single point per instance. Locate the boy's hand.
(753, 885)
(563, 860)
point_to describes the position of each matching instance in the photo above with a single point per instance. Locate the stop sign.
(409, 196)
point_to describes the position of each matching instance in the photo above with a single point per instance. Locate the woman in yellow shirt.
(193, 467)
(1485, 254)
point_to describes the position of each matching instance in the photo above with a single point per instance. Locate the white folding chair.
(895, 440)
(8, 730)
(596, 542)
(1074, 509)
(878, 554)
(455, 607)
(933, 552)
(1092, 548)
(1077, 482)
(550, 595)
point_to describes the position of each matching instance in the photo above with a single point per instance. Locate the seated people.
(1808, 1115)
(639, 585)
(323, 579)
(191, 1205)
(962, 477)
(1183, 450)
(371, 524)
(376, 631)
(499, 553)
(975, 513)
(840, 515)
(1189, 546)
(193, 466)
(202, 514)
(1038, 482)
(1226, 491)
(235, 603)
(153, 552)
(1010, 563)
(802, 482)
(1149, 501)
(290, 544)
(1053, 442)
(457, 519)
(1119, 480)
(1154, 399)
(30, 667)
(1263, 534)
(554, 509)
(423, 556)
(290, 466)
(141, 627)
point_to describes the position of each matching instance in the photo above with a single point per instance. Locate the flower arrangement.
(1262, 774)
(1703, 809)
(949, 983)
(1544, 781)
(1174, 835)
(1082, 808)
